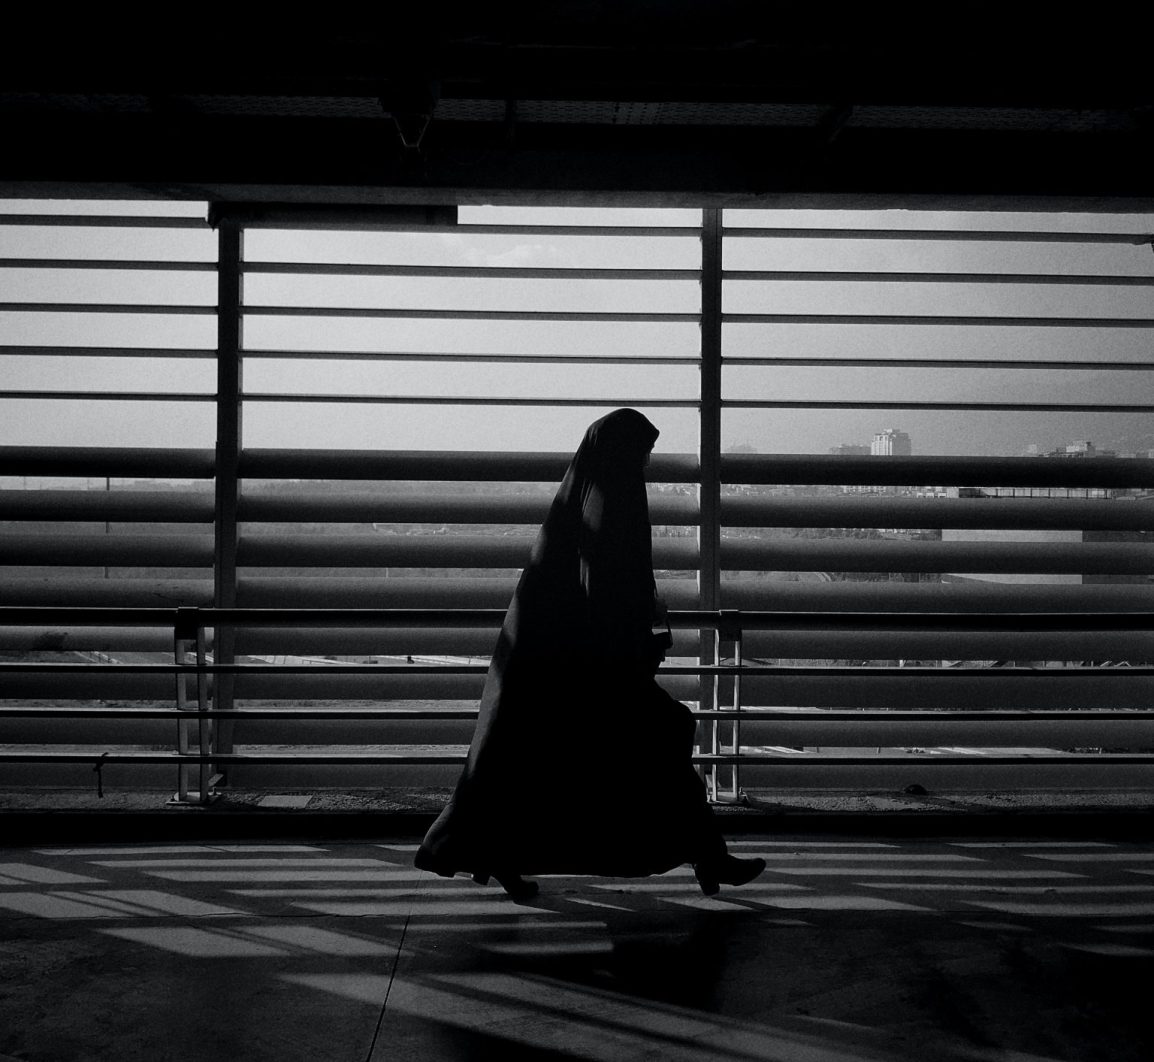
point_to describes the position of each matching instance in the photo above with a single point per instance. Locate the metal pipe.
(108, 221)
(1030, 364)
(107, 263)
(373, 312)
(1136, 239)
(127, 462)
(1136, 472)
(938, 320)
(882, 276)
(484, 272)
(467, 400)
(436, 465)
(463, 358)
(106, 307)
(984, 513)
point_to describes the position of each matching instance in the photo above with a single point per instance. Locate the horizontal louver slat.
(352, 592)
(387, 507)
(865, 644)
(419, 551)
(118, 462)
(81, 592)
(991, 513)
(147, 551)
(935, 471)
(437, 465)
(951, 689)
(120, 505)
(1110, 730)
(753, 594)
(1115, 558)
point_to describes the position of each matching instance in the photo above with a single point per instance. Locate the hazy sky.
(271, 423)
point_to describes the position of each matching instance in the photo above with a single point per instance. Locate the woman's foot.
(728, 870)
(517, 888)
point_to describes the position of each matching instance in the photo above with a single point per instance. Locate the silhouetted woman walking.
(571, 715)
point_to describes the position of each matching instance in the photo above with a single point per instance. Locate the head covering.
(588, 587)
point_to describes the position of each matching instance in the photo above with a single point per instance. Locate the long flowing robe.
(580, 762)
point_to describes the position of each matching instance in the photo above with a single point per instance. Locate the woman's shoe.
(516, 887)
(728, 870)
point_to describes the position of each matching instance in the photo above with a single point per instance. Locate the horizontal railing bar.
(937, 320)
(1011, 407)
(437, 465)
(943, 675)
(189, 617)
(941, 363)
(983, 513)
(119, 505)
(883, 276)
(231, 758)
(959, 621)
(471, 400)
(248, 617)
(111, 396)
(501, 359)
(117, 462)
(331, 668)
(108, 221)
(942, 471)
(812, 642)
(452, 758)
(960, 235)
(1103, 759)
(751, 714)
(485, 272)
(105, 307)
(106, 263)
(765, 620)
(898, 717)
(189, 715)
(108, 352)
(375, 313)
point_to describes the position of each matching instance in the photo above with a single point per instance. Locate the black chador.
(580, 763)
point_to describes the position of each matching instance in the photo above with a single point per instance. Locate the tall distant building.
(891, 443)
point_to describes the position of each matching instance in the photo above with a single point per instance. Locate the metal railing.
(730, 725)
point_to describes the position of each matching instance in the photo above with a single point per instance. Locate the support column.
(709, 453)
(228, 449)
(709, 444)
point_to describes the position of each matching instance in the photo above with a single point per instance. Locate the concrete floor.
(846, 950)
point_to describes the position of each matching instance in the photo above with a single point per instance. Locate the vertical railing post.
(731, 632)
(709, 463)
(229, 440)
(182, 635)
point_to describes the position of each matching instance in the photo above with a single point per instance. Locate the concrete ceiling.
(682, 102)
